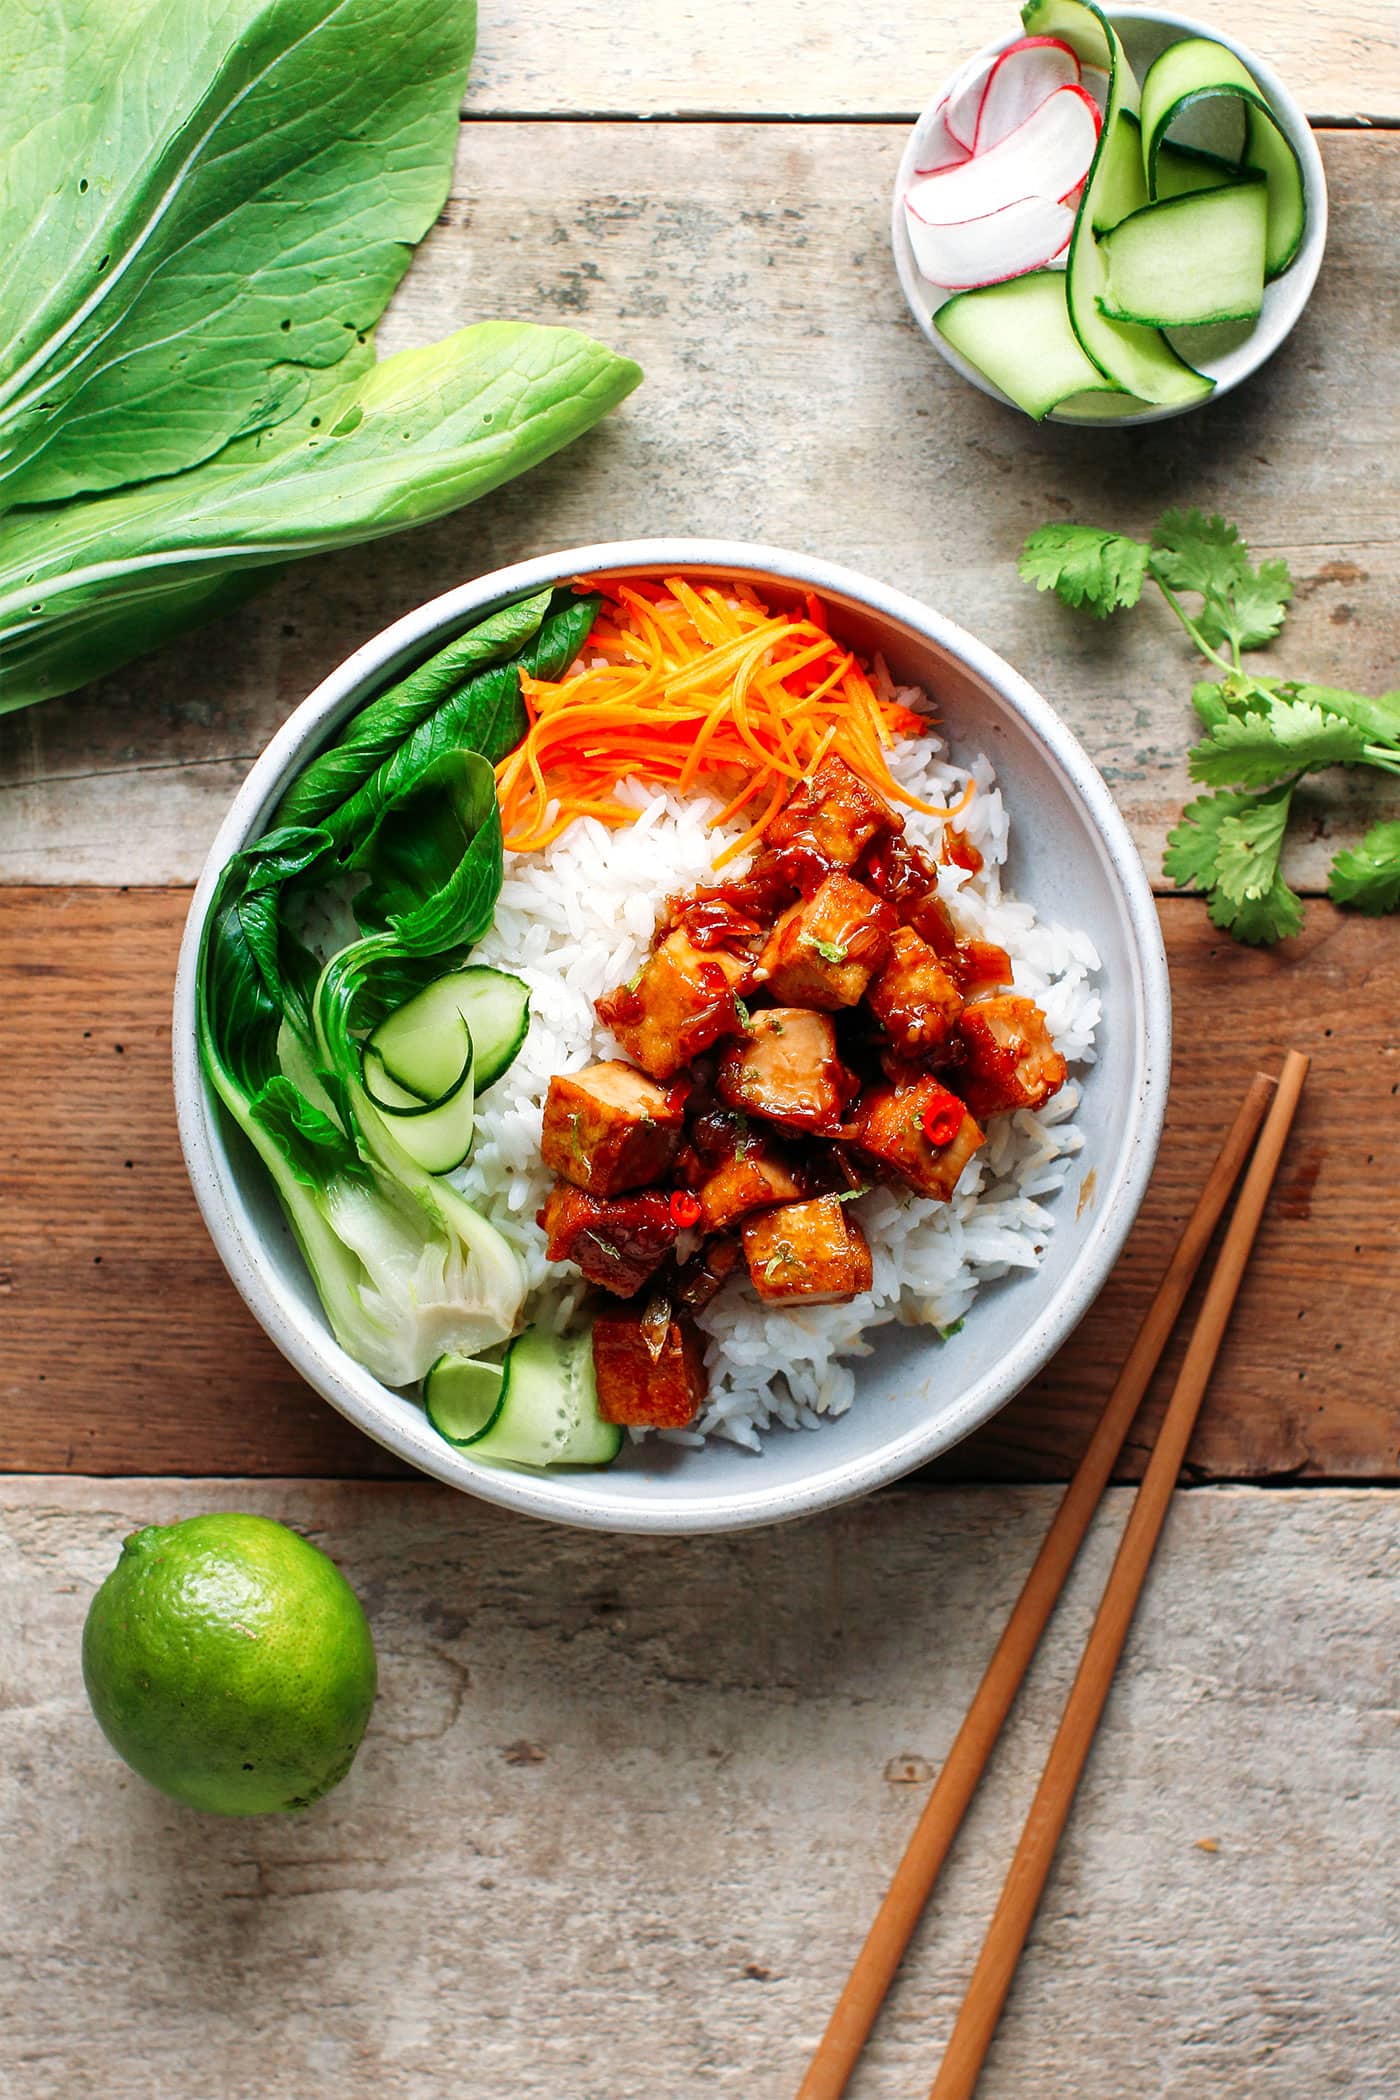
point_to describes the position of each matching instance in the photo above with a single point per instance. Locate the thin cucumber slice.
(463, 1396)
(1269, 149)
(1183, 170)
(1083, 28)
(1139, 360)
(420, 1045)
(1198, 70)
(1189, 260)
(436, 1135)
(1122, 186)
(549, 1406)
(1018, 334)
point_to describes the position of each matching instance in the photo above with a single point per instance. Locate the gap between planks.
(726, 260)
(124, 1348)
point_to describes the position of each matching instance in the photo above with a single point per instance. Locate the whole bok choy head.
(404, 806)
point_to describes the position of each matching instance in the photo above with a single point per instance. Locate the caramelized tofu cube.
(809, 1253)
(826, 948)
(982, 966)
(1010, 1060)
(649, 1376)
(786, 1068)
(706, 1272)
(610, 1128)
(892, 1130)
(618, 1244)
(913, 997)
(753, 1176)
(898, 869)
(835, 814)
(681, 1001)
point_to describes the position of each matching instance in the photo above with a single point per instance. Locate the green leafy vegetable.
(207, 208)
(1229, 846)
(418, 435)
(1241, 607)
(1084, 566)
(211, 199)
(405, 1268)
(380, 727)
(1252, 749)
(1261, 733)
(486, 714)
(1370, 877)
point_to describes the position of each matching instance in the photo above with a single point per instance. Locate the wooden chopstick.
(909, 1891)
(1025, 1882)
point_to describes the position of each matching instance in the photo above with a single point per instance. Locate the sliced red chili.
(685, 1208)
(942, 1117)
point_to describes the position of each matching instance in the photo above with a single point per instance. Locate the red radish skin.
(1049, 155)
(963, 101)
(1027, 235)
(939, 148)
(1026, 74)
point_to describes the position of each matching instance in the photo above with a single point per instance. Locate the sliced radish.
(938, 148)
(1047, 156)
(964, 101)
(1022, 236)
(1026, 74)
(1095, 80)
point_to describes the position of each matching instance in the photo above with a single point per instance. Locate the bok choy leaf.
(207, 204)
(413, 437)
(202, 203)
(405, 1268)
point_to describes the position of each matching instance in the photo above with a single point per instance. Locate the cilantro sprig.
(1262, 735)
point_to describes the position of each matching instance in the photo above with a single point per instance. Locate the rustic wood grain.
(625, 1808)
(731, 57)
(788, 398)
(123, 1348)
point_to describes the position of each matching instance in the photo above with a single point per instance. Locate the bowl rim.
(299, 1333)
(1269, 334)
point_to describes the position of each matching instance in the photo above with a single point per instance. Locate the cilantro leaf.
(1192, 552)
(1276, 916)
(1086, 566)
(1228, 845)
(1192, 845)
(1248, 843)
(1235, 694)
(1290, 736)
(1260, 605)
(1211, 702)
(1241, 607)
(1369, 878)
(1380, 719)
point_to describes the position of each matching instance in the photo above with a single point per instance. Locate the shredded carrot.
(699, 685)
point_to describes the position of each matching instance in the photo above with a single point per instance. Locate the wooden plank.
(127, 1351)
(610, 1836)
(788, 398)
(820, 59)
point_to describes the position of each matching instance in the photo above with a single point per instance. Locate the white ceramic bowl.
(1146, 32)
(1071, 856)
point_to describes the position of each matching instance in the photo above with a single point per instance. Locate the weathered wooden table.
(626, 1807)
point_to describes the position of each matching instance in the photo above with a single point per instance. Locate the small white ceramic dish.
(1071, 856)
(1146, 32)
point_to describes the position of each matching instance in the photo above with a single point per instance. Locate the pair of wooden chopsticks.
(917, 1872)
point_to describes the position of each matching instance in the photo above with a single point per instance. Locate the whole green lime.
(229, 1662)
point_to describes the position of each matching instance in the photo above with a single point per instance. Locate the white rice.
(578, 919)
